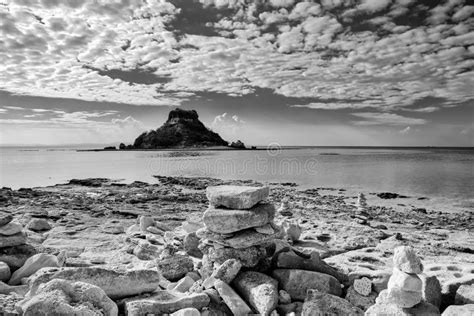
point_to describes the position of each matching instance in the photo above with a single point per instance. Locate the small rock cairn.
(11, 236)
(11, 232)
(404, 294)
(361, 203)
(238, 225)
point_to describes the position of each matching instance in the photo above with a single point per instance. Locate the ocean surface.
(444, 176)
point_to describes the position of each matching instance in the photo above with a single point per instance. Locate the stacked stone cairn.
(11, 232)
(11, 235)
(361, 203)
(404, 293)
(238, 225)
(250, 266)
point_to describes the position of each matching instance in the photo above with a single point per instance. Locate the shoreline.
(403, 201)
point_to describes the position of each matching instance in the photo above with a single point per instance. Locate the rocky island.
(183, 129)
(202, 246)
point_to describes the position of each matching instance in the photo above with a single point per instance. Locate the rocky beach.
(183, 246)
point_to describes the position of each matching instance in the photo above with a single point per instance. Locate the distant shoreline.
(280, 148)
(75, 148)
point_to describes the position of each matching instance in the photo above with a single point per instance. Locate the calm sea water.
(445, 175)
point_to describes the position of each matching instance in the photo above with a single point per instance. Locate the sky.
(324, 73)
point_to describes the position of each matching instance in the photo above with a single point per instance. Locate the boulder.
(405, 281)
(145, 222)
(242, 239)
(12, 240)
(117, 283)
(406, 260)
(175, 267)
(5, 272)
(147, 251)
(61, 297)
(7, 304)
(464, 295)
(358, 300)
(154, 230)
(162, 226)
(19, 289)
(235, 303)
(16, 256)
(266, 229)
(133, 230)
(402, 298)
(318, 303)
(227, 271)
(459, 310)
(363, 286)
(12, 228)
(249, 257)
(164, 302)
(259, 290)
(311, 262)
(236, 197)
(5, 219)
(421, 309)
(184, 284)
(431, 289)
(224, 221)
(450, 286)
(191, 227)
(297, 282)
(38, 224)
(190, 244)
(33, 264)
(187, 312)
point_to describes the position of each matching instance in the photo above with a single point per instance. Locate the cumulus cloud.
(229, 126)
(374, 5)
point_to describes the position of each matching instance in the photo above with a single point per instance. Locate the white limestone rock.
(406, 260)
(236, 197)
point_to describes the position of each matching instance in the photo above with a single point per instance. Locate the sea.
(440, 176)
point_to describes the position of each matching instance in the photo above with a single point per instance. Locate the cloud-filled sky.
(326, 72)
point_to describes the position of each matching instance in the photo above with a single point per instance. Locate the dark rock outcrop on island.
(238, 144)
(182, 129)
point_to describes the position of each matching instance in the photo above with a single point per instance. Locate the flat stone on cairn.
(236, 197)
(230, 221)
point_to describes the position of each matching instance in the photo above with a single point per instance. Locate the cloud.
(375, 118)
(336, 105)
(74, 127)
(128, 122)
(229, 126)
(373, 5)
(405, 130)
(427, 109)
(14, 108)
(463, 13)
